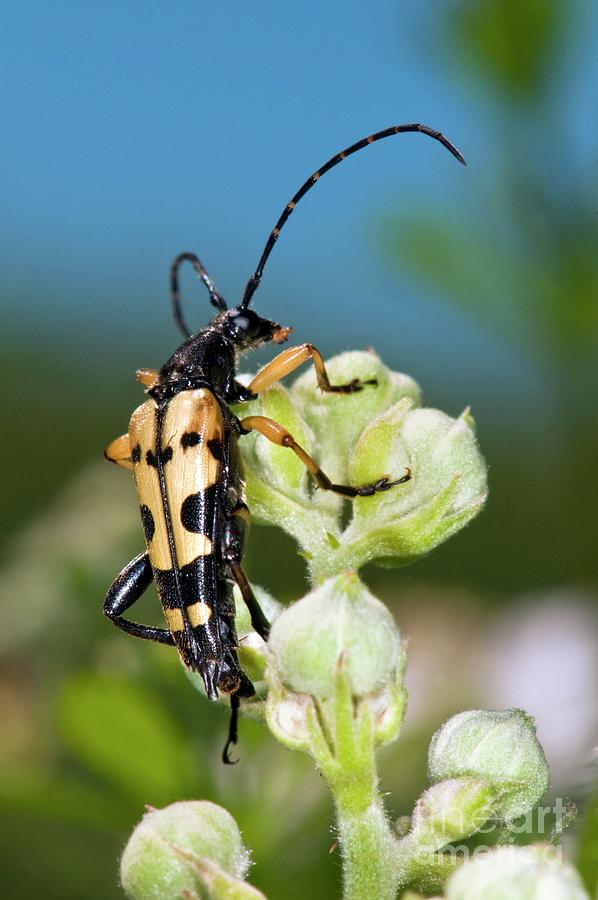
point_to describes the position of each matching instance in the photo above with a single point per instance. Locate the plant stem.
(368, 853)
(343, 743)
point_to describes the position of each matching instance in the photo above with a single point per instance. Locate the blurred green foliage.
(95, 725)
(587, 850)
(514, 45)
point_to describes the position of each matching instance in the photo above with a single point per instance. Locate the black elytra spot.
(190, 439)
(148, 522)
(215, 448)
(195, 509)
(136, 453)
(165, 456)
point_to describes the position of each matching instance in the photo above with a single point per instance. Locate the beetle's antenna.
(215, 297)
(253, 283)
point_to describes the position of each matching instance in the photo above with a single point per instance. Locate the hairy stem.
(368, 853)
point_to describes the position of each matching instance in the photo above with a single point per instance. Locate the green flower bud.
(288, 714)
(411, 895)
(336, 420)
(338, 619)
(452, 810)
(517, 873)
(194, 847)
(498, 746)
(448, 485)
(271, 470)
(339, 623)
(358, 439)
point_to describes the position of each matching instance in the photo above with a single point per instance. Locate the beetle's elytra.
(182, 445)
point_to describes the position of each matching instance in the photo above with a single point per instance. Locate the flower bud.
(358, 439)
(452, 810)
(412, 895)
(497, 746)
(447, 488)
(517, 873)
(337, 420)
(288, 714)
(339, 623)
(194, 847)
(338, 619)
(271, 469)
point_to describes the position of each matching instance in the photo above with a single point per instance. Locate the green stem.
(342, 742)
(368, 853)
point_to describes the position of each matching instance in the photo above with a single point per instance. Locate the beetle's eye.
(247, 322)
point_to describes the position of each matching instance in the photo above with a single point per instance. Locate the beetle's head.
(247, 330)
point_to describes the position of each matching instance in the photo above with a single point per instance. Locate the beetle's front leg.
(132, 582)
(276, 433)
(290, 359)
(233, 541)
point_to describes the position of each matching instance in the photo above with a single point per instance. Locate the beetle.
(182, 446)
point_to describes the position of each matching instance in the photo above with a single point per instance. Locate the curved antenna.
(175, 296)
(253, 283)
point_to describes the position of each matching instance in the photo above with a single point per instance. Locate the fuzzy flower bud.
(339, 622)
(498, 746)
(192, 849)
(358, 439)
(452, 810)
(517, 873)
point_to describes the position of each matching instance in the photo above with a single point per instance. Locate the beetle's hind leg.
(132, 582)
(235, 530)
(275, 432)
(233, 730)
(258, 619)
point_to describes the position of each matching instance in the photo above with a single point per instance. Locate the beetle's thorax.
(208, 356)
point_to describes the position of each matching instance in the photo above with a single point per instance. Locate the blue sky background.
(133, 131)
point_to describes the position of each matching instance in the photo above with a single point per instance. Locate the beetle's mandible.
(182, 445)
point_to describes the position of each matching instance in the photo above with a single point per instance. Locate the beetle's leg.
(233, 540)
(258, 619)
(233, 730)
(119, 452)
(125, 590)
(287, 361)
(275, 432)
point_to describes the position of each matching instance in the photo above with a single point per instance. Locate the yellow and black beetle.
(182, 448)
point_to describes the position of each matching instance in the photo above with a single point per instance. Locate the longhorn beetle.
(182, 448)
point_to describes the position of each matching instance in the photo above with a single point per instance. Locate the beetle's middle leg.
(233, 541)
(275, 432)
(132, 582)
